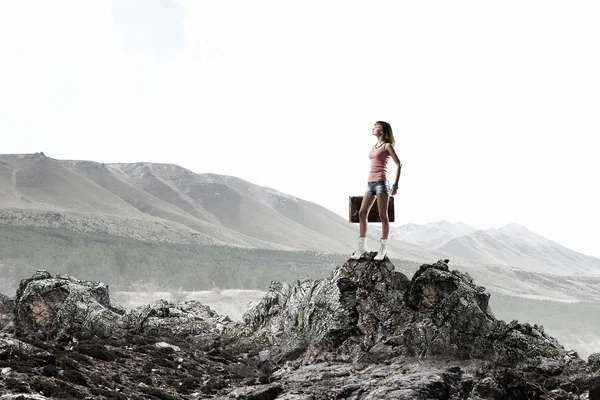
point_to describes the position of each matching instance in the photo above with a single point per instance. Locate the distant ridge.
(431, 235)
(510, 245)
(166, 202)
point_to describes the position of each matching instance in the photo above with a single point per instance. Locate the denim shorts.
(378, 187)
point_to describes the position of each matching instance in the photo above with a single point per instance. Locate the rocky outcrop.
(130, 367)
(183, 319)
(23, 350)
(446, 314)
(366, 310)
(348, 310)
(63, 307)
(594, 361)
(365, 332)
(406, 380)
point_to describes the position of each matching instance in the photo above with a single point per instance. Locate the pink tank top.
(379, 158)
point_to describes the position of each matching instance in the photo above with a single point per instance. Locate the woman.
(378, 188)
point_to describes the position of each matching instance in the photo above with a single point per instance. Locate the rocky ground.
(365, 332)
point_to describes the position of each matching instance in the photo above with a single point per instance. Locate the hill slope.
(515, 245)
(165, 202)
(511, 245)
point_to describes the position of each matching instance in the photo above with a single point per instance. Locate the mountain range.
(147, 225)
(165, 202)
(510, 245)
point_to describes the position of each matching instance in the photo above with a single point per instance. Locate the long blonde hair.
(388, 135)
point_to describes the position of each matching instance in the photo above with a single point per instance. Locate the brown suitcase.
(356, 201)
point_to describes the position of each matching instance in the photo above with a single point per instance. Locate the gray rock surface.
(6, 313)
(25, 351)
(365, 332)
(350, 308)
(63, 307)
(366, 311)
(594, 361)
(182, 318)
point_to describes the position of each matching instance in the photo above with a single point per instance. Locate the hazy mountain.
(166, 202)
(516, 245)
(431, 235)
(510, 245)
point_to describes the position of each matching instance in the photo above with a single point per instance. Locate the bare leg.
(365, 207)
(382, 205)
(363, 213)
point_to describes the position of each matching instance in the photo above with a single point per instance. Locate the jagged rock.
(434, 284)
(6, 313)
(165, 318)
(365, 332)
(164, 345)
(405, 379)
(6, 304)
(594, 361)
(24, 396)
(487, 388)
(366, 311)
(451, 317)
(25, 351)
(9, 328)
(62, 307)
(452, 311)
(327, 312)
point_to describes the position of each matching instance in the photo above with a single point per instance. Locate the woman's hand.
(394, 191)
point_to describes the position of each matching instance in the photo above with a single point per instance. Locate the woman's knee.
(383, 215)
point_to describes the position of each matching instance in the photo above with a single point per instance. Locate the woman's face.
(377, 130)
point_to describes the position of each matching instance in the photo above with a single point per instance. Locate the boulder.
(63, 307)
(446, 314)
(165, 318)
(594, 361)
(24, 351)
(355, 301)
(366, 311)
(6, 313)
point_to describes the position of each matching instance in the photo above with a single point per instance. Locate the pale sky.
(495, 106)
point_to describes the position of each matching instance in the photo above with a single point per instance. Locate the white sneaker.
(362, 248)
(382, 250)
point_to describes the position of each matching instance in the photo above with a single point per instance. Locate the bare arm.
(392, 153)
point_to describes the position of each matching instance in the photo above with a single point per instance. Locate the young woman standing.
(378, 188)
